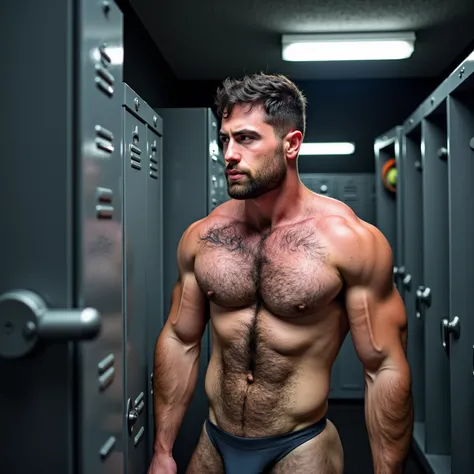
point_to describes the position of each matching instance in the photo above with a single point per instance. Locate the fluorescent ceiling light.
(347, 47)
(342, 148)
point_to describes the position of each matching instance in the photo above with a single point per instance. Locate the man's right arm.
(177, 349)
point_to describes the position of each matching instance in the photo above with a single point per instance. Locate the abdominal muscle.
(281, 383)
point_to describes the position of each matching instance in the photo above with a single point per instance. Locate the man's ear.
(293, 142)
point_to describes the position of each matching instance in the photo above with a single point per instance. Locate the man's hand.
(163, 464)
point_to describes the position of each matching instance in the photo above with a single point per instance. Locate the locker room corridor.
(112, 149)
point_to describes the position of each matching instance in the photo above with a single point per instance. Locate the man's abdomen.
(269, 379)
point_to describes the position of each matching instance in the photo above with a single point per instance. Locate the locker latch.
(447, 328)
(423, 297)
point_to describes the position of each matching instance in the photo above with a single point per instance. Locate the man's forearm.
(389, 417)
(174, 379)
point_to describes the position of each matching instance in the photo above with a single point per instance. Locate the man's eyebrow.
(243, 131)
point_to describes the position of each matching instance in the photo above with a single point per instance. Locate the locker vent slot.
(104, 80)
(153, 171)
(104, 195)
(106, 379)
(106, 363)
(104, 87)
(104, 212)
(350, 193)
(107, 448)
(139, 436)
(140, 407)
(135, 158)
(139, 399)
(104, 139)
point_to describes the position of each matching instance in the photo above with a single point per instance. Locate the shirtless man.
(286, 273)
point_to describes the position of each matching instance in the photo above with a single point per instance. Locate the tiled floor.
(349, 419)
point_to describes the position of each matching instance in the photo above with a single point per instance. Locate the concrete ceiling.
(212, 39)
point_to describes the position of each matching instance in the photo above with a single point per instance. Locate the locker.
(142, 269)
(154, 280)
(194, 184)
(436, 162)
(389, 214)
(61, 246)
(413, 249)
(432, 297)
(458, 326)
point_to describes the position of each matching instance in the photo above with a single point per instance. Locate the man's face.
(256, 163)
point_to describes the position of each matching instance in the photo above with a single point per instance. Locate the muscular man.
(286, 273)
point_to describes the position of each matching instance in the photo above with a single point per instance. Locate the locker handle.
(423, 297)
(25, 321)
(450, 327)
(407, 282)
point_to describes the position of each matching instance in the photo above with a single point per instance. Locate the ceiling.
(213, 39)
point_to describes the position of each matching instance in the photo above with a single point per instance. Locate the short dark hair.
(283, 102)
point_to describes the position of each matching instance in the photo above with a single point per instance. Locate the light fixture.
(334, 148)
(348, 47)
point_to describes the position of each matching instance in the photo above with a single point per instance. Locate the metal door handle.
(423, 297)
(447, 328)
(407, 282)
(25, 321)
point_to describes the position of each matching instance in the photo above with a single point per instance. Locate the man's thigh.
(205, 459)
(320, 455)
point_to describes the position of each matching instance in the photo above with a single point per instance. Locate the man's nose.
(231, 153)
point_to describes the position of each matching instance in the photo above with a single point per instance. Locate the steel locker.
(154, 280)
(432, 302)
(457, 328)
(142, 258)
(61, 240)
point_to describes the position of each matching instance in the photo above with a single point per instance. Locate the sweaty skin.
(281, 302)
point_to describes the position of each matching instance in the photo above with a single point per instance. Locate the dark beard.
(267, 179)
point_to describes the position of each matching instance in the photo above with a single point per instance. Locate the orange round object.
(390, 164)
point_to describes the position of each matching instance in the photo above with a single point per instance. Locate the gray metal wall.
(194, 183)
(435, 266)
(358, 192)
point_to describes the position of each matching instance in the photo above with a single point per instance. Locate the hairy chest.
(287, 270)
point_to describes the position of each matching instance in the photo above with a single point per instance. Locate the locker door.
(458, 326)
(100, 263)
(135, 241)
(433, 298)
(154, 276)
(413, 248)
(61, 247)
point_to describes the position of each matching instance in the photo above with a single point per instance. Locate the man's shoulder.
(351, 241)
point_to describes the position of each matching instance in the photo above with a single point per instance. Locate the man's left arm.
(378, 325)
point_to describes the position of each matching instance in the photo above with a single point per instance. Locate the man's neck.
(278, 206)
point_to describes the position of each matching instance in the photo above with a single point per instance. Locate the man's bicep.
(375, 309)
(378, 326)
(187, 317)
